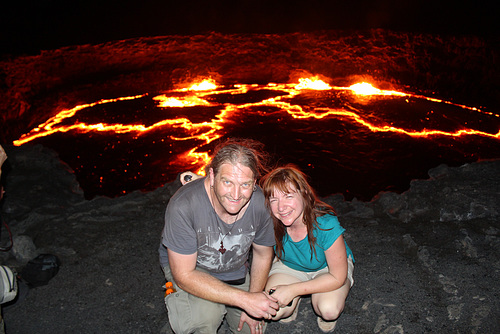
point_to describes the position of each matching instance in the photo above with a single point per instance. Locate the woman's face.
(287, 207)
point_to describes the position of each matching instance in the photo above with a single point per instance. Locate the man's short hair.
(248, 152)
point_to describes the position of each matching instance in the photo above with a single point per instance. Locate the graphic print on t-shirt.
(237, 245)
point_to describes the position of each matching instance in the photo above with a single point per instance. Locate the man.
(3, 157)
(8, 282)
(210, 225)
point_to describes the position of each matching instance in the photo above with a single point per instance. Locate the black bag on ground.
(40, 270)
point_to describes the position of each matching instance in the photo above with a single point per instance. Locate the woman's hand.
(284, 294)
(188, 177)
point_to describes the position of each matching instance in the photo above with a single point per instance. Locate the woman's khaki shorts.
(279, 268)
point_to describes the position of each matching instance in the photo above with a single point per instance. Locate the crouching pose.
(312, 257)
(211, 224)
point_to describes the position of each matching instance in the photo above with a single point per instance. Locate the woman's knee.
(330, 310)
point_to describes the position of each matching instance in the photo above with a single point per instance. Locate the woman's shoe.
(326, 326)
(293, 316)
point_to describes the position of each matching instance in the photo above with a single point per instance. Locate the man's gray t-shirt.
(192, 225)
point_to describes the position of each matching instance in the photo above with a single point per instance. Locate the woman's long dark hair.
(283, 179)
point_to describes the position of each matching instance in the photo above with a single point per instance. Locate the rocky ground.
(427, 260)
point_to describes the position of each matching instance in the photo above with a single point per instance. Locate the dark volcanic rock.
(427, 260)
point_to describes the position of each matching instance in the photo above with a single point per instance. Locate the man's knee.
(200, 324)
(193, 316)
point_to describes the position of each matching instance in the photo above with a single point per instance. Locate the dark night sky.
(27, 26)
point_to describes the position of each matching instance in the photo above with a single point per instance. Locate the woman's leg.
(329, 305)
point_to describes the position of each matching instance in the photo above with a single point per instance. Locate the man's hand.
(260, 305)
(256, 326)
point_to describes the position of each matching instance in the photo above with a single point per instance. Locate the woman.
(311, 255)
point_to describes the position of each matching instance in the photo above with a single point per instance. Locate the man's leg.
(190, 314)
(233, 313)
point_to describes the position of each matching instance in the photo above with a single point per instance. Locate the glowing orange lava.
(364, 88)
(197, 95)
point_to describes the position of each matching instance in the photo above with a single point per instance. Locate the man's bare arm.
(261, 264)
(205, 286)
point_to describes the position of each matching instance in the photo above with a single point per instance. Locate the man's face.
(233, 187)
